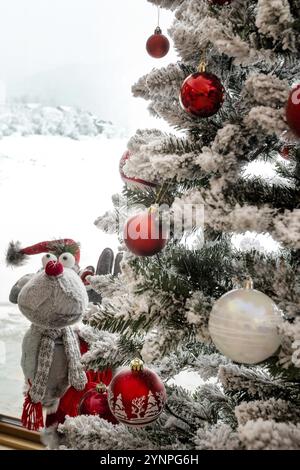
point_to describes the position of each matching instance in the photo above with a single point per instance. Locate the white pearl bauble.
(243, 326)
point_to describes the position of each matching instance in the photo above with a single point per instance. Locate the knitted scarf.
(76, 374)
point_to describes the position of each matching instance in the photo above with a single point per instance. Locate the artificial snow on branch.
(269, 435)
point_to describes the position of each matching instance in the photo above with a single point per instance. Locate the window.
(66, 115)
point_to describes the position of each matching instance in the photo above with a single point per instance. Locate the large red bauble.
(95, 402)
(158, 45)
(293, 110)
(136, 395)
(202, 94)
(134, 182)
(144, 235)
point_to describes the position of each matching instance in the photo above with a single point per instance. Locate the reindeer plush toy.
(53, 299)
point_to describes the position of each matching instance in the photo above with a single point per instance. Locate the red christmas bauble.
(131, 181)
(95, 402)
(87, 272)
(293, 110)
(158, 45)
(136, 395)
(144, 234)
(202, 94)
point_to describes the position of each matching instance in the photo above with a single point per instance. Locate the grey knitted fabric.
(77, 377)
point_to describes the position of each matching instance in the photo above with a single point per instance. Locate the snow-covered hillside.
(35, 119)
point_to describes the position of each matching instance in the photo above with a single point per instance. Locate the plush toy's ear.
(105, 262)
(16, 289)
(118, 261)
(15, 255)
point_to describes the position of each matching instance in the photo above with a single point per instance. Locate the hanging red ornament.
(136, 395)
(285, 152)
(132, 181)
(158, 45)
(95, 402)
(144, 234)
(293, 110)
(202, 94)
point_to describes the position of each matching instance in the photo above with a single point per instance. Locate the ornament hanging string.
(162, 192)
(159, 260)
(158, 17)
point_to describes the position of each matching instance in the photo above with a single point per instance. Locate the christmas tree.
(166, 308)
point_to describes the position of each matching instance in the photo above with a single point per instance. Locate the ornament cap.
(158, 30)
(202, 66)
(152, 210)
(202, 94)
(137, 364)
(248, 284)
(101, 387)
(203, 63)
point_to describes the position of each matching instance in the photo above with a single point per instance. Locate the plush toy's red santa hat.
(16, 256)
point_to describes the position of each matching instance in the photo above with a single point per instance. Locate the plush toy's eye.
(67, 260)
(48, 257)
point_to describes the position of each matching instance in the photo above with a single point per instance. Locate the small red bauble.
(220, 2)
(285, 152)
(158, 45)
(95, 402)
(144, 234)
(131, 181)
(202, 94)
(136, 396)
(293, 110)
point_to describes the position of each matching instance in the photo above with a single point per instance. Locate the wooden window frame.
(13, 436)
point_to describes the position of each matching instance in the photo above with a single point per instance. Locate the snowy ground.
(52, 187)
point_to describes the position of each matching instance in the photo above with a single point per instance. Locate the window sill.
(14, 437)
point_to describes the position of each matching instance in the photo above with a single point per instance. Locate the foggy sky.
(86, 53)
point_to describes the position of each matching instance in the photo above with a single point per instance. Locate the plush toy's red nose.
(54, 268)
